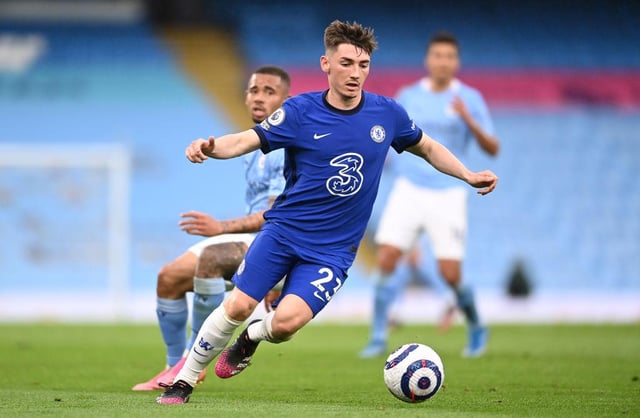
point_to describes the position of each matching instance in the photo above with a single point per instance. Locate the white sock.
(263, 331)
(213, 337)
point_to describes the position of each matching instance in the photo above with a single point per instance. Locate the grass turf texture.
(541, 371)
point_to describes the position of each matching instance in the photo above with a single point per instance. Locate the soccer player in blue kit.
(335, 145)
(205, 265)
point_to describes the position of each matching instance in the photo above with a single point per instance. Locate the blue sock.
(381, 305)
(387, 289)
(208, 294)
(466, 303)
(172, 318)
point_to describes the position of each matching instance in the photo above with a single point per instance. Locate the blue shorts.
(270, 258)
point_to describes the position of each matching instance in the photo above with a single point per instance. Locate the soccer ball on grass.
(414, 373)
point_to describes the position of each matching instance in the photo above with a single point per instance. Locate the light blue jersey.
(264, 176)
(433, 112)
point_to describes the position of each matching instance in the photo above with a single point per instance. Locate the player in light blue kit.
(457, 115)
(335, 145)
(203, 268)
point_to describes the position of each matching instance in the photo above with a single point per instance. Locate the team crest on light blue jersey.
(378, 134)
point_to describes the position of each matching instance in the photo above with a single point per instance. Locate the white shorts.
(221, 239)
(411, 210)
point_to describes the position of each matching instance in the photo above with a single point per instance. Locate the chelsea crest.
(378, 133)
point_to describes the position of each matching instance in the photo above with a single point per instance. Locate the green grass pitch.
(536, 371)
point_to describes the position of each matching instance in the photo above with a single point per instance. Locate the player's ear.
(324, 63)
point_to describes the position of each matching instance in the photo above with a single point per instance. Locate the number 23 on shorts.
(327, 285)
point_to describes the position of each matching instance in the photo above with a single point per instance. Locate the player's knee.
(220, 260)
(208, 264)
(388, 257)
(450, 271)
(387, 265)
(283, 330)
(164, 281)
(239, 306)
(286, 321)
(170, 284)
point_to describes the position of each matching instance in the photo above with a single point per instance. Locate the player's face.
(265, 93)
(347, 68)
(442, 61)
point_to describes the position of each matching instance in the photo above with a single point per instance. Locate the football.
(414, 373)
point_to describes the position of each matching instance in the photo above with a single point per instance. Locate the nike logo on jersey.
(316, 136)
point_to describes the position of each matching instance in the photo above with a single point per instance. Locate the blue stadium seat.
(568, 201)
(105, 84)
(494, 33)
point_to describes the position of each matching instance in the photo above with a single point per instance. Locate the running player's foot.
(478, 337)
(170, 375)
(237, 356)
(152, 384)
(375, 348)
(177, 393)
(166, 377)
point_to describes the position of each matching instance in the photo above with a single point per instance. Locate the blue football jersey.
(264, 174)
(432, 112)
(333, 163)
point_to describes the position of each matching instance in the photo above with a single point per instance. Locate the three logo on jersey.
(349, 177)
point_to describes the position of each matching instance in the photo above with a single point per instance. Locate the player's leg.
(217, 262)
(174, 280)
(258, 273)
(215, 333)
(390, 280)
(477, 341)
(276, 327)
(307, 290)
(424, 271)
(447, 233)
(398, 229)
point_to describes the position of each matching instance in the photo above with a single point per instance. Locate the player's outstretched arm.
(227, 146)
(443, 160)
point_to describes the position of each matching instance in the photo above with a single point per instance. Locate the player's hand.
(459, 107)
(198, 223)
(486, 181)
(271, 297)
(200, 149)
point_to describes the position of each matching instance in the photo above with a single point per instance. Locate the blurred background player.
(456, 115)
(221, 253)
